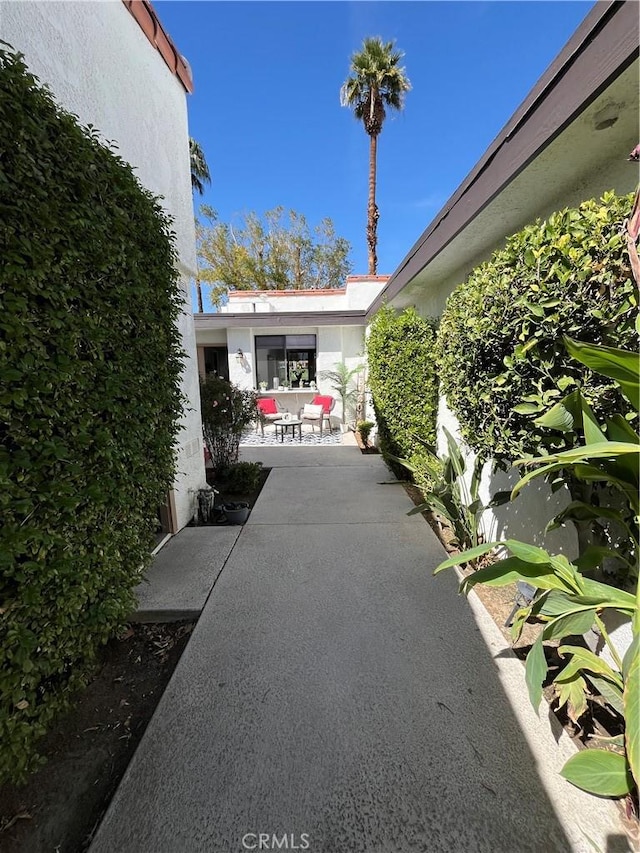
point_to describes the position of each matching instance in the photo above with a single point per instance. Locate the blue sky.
(266, 106)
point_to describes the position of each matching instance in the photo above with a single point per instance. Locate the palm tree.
(375, 82)
(199, 176)
(199, 169)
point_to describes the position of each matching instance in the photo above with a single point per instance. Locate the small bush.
(404, 386)
(364, 428)
(226, 411)
(243, 477)
(90, 363)
(501, 354)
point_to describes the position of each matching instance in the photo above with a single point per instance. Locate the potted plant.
(237, 513)
(262, 386)
(340, 380)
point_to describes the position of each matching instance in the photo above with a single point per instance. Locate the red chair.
(313, 414)
(269, 409)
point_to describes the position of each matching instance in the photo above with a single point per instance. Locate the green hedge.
(404, 386)
(501, 355)
(89, 403)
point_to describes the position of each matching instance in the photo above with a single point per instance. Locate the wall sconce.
(239, 355)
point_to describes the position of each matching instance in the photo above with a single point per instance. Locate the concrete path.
(183, 573)
(335, 697)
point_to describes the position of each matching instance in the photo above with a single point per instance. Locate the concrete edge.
(148, 616)
(586, 819)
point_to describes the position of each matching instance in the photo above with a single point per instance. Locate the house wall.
(99, 65)
(333, 344)
(358, 294)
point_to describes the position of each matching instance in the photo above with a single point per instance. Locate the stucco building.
(112, 64)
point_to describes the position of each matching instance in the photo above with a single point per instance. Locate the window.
(216, 360)
(286, 357)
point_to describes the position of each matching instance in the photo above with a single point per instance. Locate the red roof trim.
(149, 23)
(252, 294)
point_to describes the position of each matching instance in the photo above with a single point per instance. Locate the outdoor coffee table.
(285, 425)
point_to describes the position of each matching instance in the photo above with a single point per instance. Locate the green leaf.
(599, 772)
(511, 570)
(526, 409)
(467, 556)
(526, 552)
(535, 672)
(618, 429)
(577, 622)
(557, 418)
(592, 432)
(631, 699)
(584, 660)
(611, 693)
(571, 692)
(617, 364)
(600, 450)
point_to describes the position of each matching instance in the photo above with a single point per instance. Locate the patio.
(335, 438)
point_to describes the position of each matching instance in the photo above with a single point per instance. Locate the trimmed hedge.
(500, 350)
(404, 387)
(90, 363)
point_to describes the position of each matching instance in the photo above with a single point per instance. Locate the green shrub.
(89, 402)
(404, 387)
(226, 411)
(242, 477)
(501, 354)
(364, 428)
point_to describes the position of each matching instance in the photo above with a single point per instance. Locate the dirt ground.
(90, 746)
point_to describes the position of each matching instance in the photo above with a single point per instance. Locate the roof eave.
(602, 47)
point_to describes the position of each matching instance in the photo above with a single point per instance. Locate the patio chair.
(318, 411)
(269, 409)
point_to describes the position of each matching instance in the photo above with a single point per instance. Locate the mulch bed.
(365, 448)
(90, 746)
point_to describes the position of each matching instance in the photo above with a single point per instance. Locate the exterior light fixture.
(239, 355)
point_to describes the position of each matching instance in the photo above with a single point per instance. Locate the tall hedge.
(89, 400)
(501, 355)
(404, 385)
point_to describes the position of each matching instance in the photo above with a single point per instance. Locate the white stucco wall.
(100, 66)
(333, 344)
(527, 516)
(358, 294)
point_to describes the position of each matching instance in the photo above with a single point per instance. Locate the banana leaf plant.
(609, 456)
(568, 602)
(451, 498)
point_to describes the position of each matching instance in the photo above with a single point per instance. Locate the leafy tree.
(276, 252)
(376, 81)
(200, 174)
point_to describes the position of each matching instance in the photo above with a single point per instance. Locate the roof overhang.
(151, 26)
(548, 155)
(279, 319)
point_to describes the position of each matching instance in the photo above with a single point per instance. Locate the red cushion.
(325, 402)
(267, 406)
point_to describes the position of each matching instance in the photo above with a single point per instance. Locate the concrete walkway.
(335, 697)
